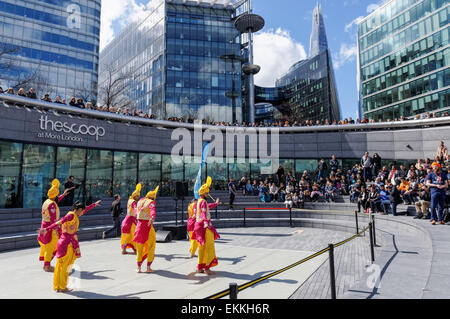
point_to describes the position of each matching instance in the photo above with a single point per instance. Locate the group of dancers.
(58, 237)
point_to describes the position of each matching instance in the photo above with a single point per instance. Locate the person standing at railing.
(31, 94)
(50, 214)
(129, 223)
(192, 212)
(204, 231)
(145, 235)
(68, 248)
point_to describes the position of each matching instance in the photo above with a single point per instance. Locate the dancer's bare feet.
(64, 290)
(210, 273)
(49, 269)
(124, 252)
(149, 270)
(200, 271)
(139, 270)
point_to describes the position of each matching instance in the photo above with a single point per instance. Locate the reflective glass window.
(10, 154)
(98, 175)
(38, 173)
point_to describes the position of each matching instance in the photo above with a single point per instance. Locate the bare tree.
(6, 62)
(22, 78)
(113, 90)
(87, 94)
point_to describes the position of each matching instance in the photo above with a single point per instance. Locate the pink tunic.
(129, 221)
(192, 219)
(143, 228)
(67, 238)
(47, 238)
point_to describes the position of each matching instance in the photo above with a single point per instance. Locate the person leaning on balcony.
(10, 91)
(73, 102)
(47, 98)
(21, 92)
(58, 100)
(31, 94)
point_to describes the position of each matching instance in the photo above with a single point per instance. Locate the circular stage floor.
(244, 255)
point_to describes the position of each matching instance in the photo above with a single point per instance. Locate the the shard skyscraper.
(307, 92)
(318, 42)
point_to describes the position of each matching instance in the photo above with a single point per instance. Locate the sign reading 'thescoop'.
(65, 131)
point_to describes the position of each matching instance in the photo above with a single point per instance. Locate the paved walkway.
(412, 262)
(351, 261)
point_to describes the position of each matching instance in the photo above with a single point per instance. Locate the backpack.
(446, 216)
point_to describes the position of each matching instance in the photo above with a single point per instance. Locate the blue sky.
(285, 38)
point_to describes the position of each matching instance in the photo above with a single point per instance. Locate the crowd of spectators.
(127, 111)
(368, 184)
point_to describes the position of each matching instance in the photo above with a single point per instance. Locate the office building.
(307, 92)
(404, 58)
(181, 60)
(52, 46)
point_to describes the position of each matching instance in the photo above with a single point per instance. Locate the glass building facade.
(404, 58)
(52, 46)
(307, 92)
(180, 57)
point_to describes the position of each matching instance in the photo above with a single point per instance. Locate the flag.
(198, 182)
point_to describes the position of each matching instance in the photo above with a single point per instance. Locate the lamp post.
(250, 23)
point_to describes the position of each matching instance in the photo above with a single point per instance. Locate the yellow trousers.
(147, 250)
(48, 251)
(194, 245)
(127, 239)
(63, 269)
(207, 253)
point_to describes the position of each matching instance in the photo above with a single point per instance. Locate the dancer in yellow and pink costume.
(192, 210)
(129, 223)
(145, 235)
(50, 214)
(204, 232)
(68, 248)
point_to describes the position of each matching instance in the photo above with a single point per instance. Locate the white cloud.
(117, 12)
(349, 27)
(275, 51)
(347, 53)
(373, 6)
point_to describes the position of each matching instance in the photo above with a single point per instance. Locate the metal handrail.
(14, 99)
(249, 284)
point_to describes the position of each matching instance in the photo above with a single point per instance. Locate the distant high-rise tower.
(307, 92)
(318, 42)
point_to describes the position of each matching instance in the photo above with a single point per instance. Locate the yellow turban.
(137, 192)
(152, 194)
(53, 192)
(205, 187)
